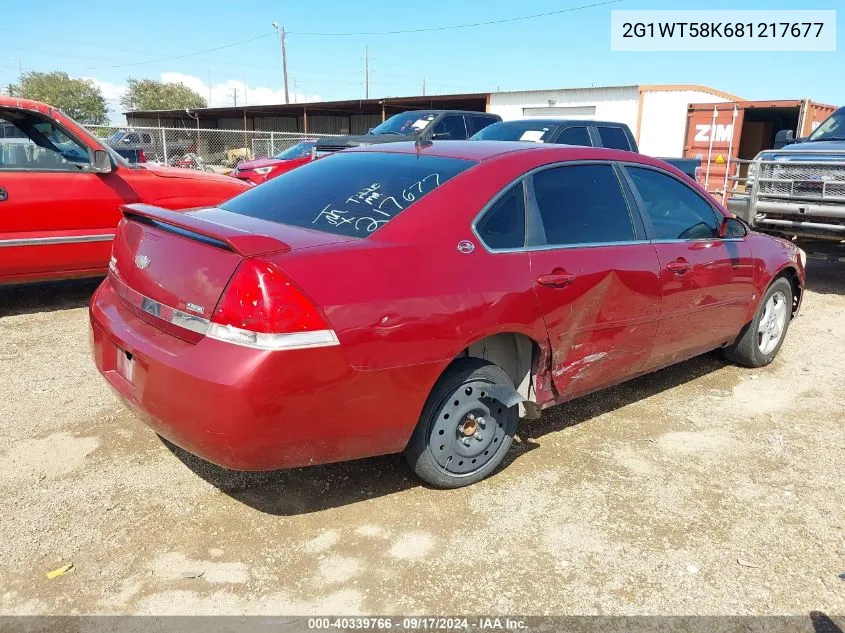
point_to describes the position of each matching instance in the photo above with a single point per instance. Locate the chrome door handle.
(557, 279)
(679, 266)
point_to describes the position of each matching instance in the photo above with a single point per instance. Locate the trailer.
(728, 136)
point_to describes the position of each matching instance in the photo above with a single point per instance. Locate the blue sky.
(565, 50)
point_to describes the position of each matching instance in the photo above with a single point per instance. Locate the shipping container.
(720, 133)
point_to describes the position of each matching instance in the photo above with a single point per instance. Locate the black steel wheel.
(463, 433)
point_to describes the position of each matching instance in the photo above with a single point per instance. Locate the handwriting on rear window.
(372, 206)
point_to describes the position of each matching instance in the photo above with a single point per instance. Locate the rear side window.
(613, 138)
(676, 212)
(582, 204)
(477, 123)
(349, 194)
(503, 225)
(575, 136)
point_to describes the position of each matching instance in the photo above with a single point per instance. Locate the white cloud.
(111, 91)
(222, 92)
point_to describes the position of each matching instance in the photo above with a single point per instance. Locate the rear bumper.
(250, 409)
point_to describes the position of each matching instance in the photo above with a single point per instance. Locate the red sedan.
(420, 297)
(263, 169)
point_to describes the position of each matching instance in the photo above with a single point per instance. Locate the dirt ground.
(702, 489)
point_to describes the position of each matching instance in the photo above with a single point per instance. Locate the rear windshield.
(349, 194)
(531, 131)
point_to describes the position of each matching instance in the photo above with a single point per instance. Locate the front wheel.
(761, 340)
(463, 433)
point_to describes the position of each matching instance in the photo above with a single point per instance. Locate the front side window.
(350, 194)
(676, 211)
(575, 136)
(451, 127)
(32, 143)
(613, 138)
(582, 204)
(476, 123)
(503, 224)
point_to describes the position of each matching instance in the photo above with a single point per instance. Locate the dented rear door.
(596, 281)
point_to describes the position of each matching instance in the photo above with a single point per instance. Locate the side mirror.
(102, 162)
(784, 137)
(732, 227)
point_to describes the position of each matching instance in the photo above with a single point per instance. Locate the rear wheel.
(463, 434)
(761, 340)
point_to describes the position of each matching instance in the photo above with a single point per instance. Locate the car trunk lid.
(173, 267)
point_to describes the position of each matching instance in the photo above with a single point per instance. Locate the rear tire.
(760, 340)
(462, 434)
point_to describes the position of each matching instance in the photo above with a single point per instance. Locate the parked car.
(61, 191)
(263, 169)
(799, 189)
(141, 146)
(427, 125)
(413, 297)
(576, 132)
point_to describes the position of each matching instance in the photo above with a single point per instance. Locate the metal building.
(323, 117)
(657, 114)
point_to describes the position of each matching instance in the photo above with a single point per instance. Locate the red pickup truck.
(61, 190)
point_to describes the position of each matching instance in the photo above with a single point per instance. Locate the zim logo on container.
(142, 261)
(720, 133)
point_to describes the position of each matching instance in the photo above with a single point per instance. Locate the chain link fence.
(196, 148)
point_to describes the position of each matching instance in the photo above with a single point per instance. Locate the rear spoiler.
(227, 237)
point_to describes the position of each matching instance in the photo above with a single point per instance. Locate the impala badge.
(142, 261)
(465, 247)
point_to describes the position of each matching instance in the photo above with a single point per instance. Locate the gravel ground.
(702, 489)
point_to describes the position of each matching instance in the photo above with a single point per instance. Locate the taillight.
(262, 308)
(142, 157)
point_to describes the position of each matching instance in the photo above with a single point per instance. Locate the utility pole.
(294, 90)
(366, 72)
(20, 69)
(234, 94)
(423, 94)
(281, 31)
(209, 86)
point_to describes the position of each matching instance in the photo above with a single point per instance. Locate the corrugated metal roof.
(351, 106)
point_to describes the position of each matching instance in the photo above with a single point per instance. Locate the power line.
(461, 26)
(75, 42)
(172, 57)
(322, 34)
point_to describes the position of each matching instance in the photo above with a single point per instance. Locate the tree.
(80, 99)
(148, 94)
